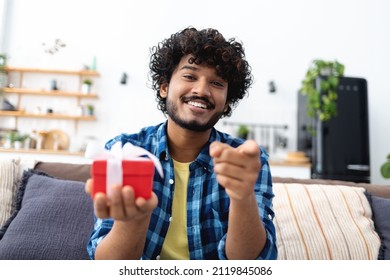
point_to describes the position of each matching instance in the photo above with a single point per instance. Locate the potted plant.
(3, 61)
(86, 86)
(243, 131)
(90, 109)
(320, 87)
(17, 139)
(385, 168)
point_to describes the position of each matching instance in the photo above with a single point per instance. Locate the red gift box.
(136, 173)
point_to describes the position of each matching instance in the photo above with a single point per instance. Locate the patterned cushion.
(381, 208)
(315, 222)
(9, 170)
(53, 220)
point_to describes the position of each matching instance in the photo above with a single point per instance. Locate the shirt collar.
(161, 138)
(203, 159)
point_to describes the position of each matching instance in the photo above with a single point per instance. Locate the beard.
(193, 125)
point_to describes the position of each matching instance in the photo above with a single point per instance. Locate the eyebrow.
(194, 68)
(189, 67)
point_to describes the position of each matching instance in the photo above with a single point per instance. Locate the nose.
(201, 87)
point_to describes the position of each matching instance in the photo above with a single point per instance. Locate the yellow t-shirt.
(175, 245)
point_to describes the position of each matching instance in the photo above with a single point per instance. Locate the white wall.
(2, 23)
(281, 38)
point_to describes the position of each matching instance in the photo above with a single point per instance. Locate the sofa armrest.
(66, 171)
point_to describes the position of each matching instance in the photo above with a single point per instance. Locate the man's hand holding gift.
(122, 181)
(122, 204)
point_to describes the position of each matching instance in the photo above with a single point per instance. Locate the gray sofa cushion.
(53, 220)
(381, 209)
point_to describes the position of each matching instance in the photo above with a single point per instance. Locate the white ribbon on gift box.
(114, 157)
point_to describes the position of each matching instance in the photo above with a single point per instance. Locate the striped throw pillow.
(9, 170)
(322, 222)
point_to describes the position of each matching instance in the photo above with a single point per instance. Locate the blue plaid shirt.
(207, 201)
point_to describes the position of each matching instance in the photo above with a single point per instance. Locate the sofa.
(46, 214)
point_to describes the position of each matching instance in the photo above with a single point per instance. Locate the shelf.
(52, 71)
(58, 93)
(289, 163)
(43, 151)
(21, 114)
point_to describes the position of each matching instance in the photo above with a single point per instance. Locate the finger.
(230, 170)
(100, 205)
(116, 202)
(88, 186)
(249, 148)
(234, 188)
(228, 182)
(244, 155)
(231, 155)
(216, 148)
(128, 200)
(144, 205)
(247, 175)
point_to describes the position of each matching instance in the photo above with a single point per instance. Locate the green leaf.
(333, 81)
(324, 85)
(385, 170)
(323, 107)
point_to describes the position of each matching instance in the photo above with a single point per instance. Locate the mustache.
(195, 98)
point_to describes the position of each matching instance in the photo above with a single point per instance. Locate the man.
(215, 200)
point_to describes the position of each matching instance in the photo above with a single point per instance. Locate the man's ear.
(226, 107)
(164, 90)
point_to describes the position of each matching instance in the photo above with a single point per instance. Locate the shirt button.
(170, 219)
(158, 257)
(171, 181)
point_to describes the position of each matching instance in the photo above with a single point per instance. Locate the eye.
(218, 84)
(189, 77)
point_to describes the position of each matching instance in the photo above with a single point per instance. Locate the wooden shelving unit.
(18, 89)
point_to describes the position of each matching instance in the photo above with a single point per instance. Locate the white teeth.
(197, 104)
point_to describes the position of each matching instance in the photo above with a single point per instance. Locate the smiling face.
(195, 96)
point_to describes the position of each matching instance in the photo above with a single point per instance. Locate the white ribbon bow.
(114, 159)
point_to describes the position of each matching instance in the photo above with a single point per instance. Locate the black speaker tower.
(338, 148)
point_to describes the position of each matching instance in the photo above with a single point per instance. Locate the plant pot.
(90, 112)
(85, 88)
(243, 136)
(7, 144)
(17, 145)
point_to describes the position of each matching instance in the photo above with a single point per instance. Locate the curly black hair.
(206, 46)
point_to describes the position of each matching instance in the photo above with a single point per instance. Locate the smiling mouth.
(198, 102)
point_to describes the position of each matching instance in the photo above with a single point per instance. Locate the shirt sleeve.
(100, 230)
(264, 197)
